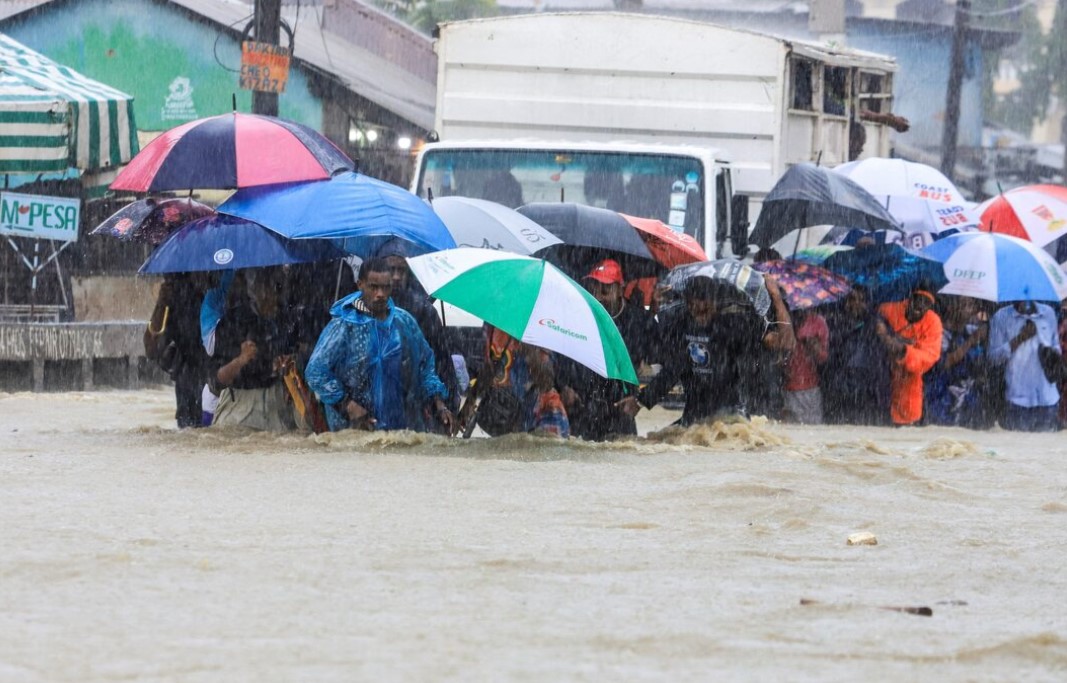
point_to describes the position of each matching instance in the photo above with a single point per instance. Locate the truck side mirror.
(739, 225)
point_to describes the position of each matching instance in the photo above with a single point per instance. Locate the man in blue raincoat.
(372, 367)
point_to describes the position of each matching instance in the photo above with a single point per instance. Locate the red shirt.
(802, 370)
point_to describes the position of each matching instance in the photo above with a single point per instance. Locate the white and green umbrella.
(531, 300)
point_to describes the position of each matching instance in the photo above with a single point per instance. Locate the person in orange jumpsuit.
(911, 333)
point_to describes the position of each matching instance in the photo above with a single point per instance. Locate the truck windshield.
(661, 186)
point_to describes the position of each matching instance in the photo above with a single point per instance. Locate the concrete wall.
(69, 356)
(113, 297)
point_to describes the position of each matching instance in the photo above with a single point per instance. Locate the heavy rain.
(533, 340)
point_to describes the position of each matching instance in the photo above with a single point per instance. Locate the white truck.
(653, 116)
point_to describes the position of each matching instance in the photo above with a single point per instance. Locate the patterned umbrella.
(805, 285)
(151, 220)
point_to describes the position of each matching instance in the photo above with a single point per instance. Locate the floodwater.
(132, 552)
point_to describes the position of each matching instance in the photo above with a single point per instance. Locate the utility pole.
(950, 133)
(266, 29)
(1059, 25)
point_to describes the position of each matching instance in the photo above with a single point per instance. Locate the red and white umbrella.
(1036, 212)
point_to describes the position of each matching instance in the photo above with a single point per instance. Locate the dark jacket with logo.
(718, 365)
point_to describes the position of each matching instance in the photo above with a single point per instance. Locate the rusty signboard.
(264, 67)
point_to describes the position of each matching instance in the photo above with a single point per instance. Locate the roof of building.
(393, 76)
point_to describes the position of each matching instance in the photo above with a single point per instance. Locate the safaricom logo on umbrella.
(551, 324)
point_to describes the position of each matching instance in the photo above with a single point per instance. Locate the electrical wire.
(1001, 12)
(218, 36)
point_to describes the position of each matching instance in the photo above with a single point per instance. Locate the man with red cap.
(591, 399)
(911, 331)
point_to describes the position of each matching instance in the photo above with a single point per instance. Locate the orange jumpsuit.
(906, 384)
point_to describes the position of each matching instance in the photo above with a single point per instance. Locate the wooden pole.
(950, 132)
(267, 29)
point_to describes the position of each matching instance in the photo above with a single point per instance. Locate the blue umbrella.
(224, 242)
(809, 195)
(997, 267)
(358, 209)
(889, 270)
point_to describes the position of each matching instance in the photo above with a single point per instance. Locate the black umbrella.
(809, 195)
(589, 235)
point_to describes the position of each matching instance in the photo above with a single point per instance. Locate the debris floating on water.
(862, 538)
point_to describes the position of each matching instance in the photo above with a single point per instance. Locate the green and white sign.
(39, 217)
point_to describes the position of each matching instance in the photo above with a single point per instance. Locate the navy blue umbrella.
(809, 195)
(360, 210)
(890, 271)
(222, 242)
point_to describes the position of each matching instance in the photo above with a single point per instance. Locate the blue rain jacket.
(386, 366)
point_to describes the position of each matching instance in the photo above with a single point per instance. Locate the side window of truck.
(803, 85)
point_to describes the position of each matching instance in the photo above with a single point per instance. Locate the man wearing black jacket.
(715, 346)
(589, 398)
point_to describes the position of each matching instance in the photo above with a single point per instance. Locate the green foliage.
(1040, 60)
(426, 14)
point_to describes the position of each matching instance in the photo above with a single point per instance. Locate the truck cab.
(688, 188)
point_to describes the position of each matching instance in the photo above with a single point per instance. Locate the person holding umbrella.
(590, 399)
(372, 367)
(253, 341)
(715, 345)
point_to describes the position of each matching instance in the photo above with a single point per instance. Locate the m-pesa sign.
(39, 217)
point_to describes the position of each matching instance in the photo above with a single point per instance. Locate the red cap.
(608, 272)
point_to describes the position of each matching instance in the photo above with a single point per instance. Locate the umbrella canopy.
(232, 151)
(151, 220)
(54, 118)
(488, 225)
(817, 255)
(1036, 212)
(998, 268)
(590, 235)
(222, 242)
(532, 301)
(804, 285)
(744, 281)
(668, 246)
(890, 271)
(809, 195)
(358, 209)
(918, 196)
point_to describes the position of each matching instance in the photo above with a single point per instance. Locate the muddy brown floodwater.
(133, 552)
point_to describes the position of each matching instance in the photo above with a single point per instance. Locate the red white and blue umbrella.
(231, 151)
(995, 267)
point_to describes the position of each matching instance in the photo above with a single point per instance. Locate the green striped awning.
(53, 118)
